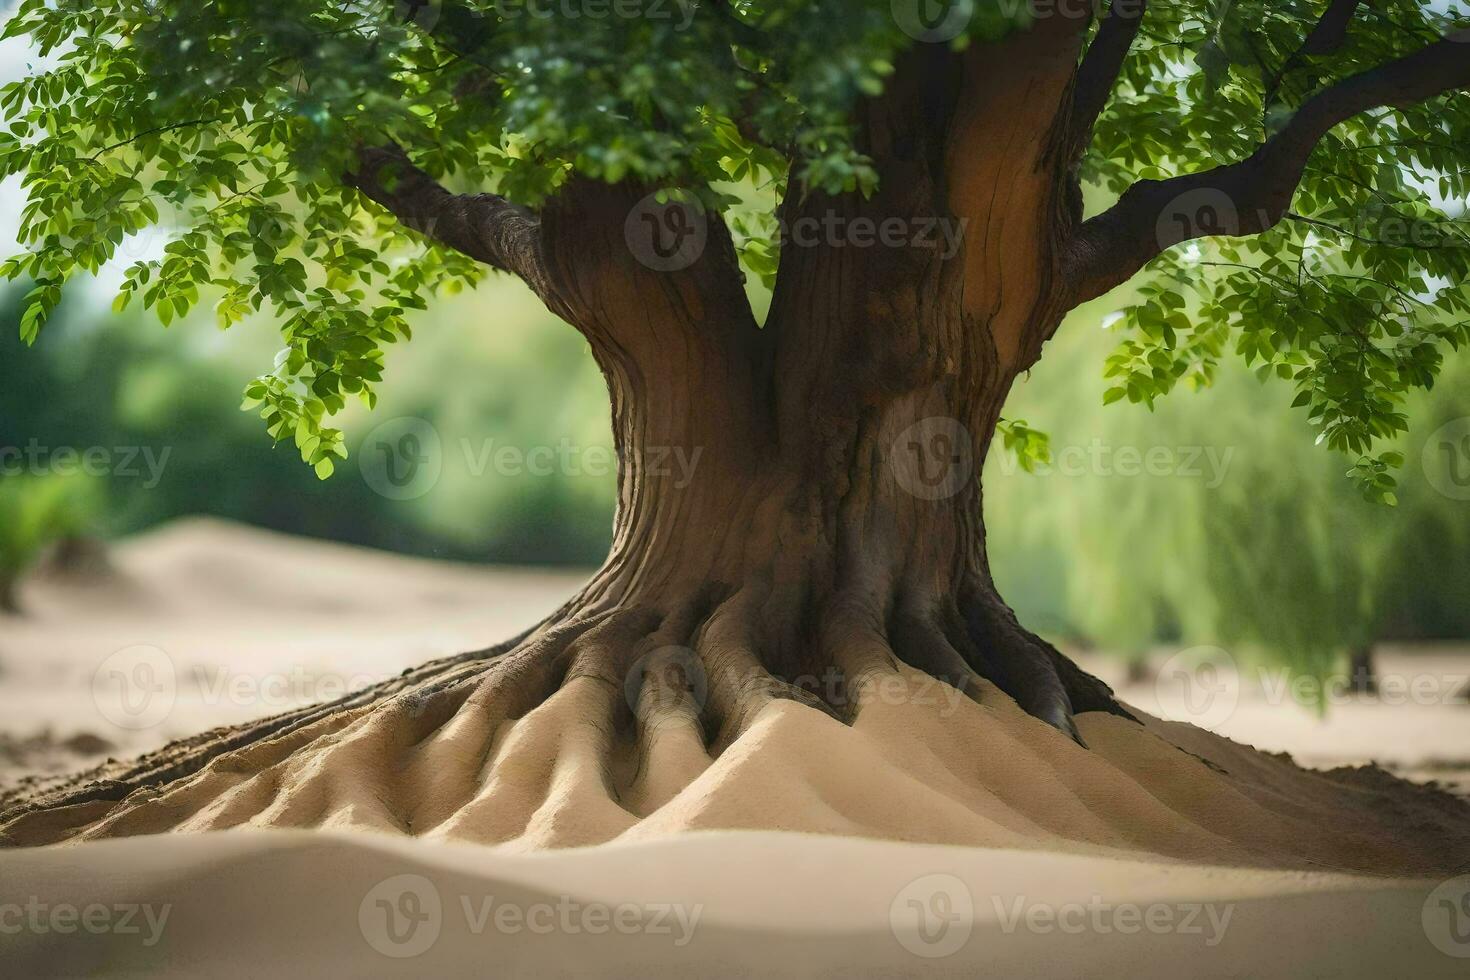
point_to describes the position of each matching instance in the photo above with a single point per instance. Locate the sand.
(756, 904)
(811, 845)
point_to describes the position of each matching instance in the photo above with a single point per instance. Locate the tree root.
(649, 696)
(1041, 679)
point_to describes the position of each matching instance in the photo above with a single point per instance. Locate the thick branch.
(1251, 196)
(1097, 76)
(485, 227)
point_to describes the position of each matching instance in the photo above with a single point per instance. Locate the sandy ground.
(245, 624)
(227, 624)
(731, 904)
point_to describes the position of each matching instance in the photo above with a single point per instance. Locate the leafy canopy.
(226, 128)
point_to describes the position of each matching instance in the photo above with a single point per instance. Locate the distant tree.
(1301, 573)
(908, 176)
(37, 512)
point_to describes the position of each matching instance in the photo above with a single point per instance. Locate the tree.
(1300, 574)
(37, 512)
(910, 184)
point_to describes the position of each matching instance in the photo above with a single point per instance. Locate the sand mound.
(922, 764)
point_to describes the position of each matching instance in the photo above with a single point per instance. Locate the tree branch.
(1325, 38)
(1097, 76)
(485, 227)
(1251, 196)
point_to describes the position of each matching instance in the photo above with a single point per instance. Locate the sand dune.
(748, 904)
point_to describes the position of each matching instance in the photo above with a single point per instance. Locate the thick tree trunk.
(831, 529)
(826, 535)
(806, 560)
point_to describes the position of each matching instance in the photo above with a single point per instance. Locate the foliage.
(1245, 537)
(1354, 299)
(34, 512)
(161, 405)
(226, 128)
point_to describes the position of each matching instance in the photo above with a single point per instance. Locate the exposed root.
(1043, 681)
(658, 695)
(642, 720)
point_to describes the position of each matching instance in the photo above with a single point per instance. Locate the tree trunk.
(803, 557)
(1362, 675)
(830, 531)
